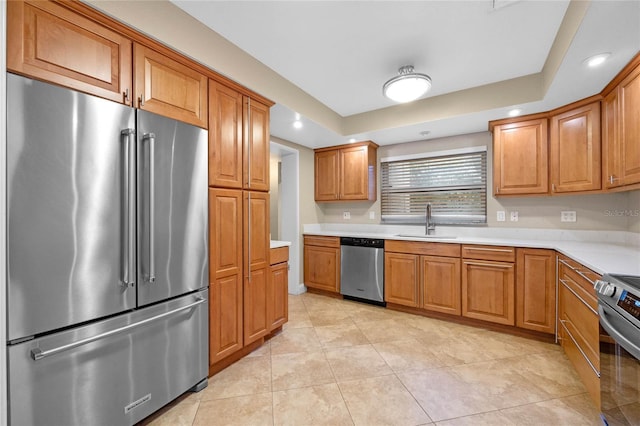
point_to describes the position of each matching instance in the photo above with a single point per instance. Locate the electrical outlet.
(372, 215)
(346, 215)
(568, 216)
(500, 216)
(513, 216)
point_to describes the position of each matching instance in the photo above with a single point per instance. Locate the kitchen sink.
(428, 237)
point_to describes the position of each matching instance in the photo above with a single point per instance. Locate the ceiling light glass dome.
(407, 85)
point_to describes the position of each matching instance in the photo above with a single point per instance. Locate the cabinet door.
(536, 290)
(629, 136)
(322, 268)
(401, 275)
(610, 131)
(256, 146)
(225, 269)
(575, 150)
(166, 87)
(441, 284)
(49, 42)
(278, 295)
(257, 268)
(520, 158)
(488, 291)
(353, 177)
(225, 136)
(326, 175)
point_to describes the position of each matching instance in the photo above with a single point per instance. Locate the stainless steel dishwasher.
(362, 269)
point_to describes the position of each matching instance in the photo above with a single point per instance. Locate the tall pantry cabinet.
(238, 220)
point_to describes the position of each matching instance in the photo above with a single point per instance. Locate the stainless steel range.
(107, 258)
(619, 310)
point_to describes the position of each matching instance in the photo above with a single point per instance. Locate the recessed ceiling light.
(595, 60)
(424, 132)
(352, 140)
(297, 124)
(515, 112)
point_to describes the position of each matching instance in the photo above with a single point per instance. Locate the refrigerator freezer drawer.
(116, 371)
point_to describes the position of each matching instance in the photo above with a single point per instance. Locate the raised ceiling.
(483, 56)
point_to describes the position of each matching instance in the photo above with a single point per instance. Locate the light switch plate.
(372, 215)
(513, 217)
(346, 215)
(500, 216)
(568, 216)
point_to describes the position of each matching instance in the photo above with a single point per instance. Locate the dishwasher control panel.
(362, 242)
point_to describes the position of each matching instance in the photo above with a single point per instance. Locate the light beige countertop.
(278, 244)
(614, 252)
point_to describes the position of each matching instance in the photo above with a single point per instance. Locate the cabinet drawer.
(419, 247)
(579, 321)
(498, 253)
(317, 240)
(579, 279)
(588, 375)
(279, 255)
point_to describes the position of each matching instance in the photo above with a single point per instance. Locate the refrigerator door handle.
(38, 354)
(128, 260)
(151, 138)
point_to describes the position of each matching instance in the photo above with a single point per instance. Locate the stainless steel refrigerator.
(107, 258)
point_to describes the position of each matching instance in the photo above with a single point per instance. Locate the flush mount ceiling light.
(595, 60)
(407, 85)
(515, 112)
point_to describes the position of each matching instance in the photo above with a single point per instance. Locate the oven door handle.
(607, 320)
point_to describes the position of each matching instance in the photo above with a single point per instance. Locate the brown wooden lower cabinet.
(488, 291)
(430, 282)
(322, 263)
(401, 275)
(225, 271)
(578, 322)
(441, 284)
(536, 290)
(278, 290)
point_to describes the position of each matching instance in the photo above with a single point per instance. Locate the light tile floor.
(338, 362)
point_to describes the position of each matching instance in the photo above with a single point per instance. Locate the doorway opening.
(284, 214)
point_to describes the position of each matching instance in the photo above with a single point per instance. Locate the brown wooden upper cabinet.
(346, 172)
(238, 140)
(575, 149)
(170, 88)
(520, 161)
(47, 41)
(621, 129)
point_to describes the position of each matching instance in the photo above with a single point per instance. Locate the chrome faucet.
(430, 226)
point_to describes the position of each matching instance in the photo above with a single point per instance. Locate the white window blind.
(455, 185)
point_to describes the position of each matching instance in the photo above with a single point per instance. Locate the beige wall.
(634, 211)
(274, 197)
(594, 212)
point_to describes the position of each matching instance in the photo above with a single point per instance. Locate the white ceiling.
(341, 52)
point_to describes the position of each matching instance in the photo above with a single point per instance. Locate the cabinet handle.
(493, 265)
(553, 187)
(579, 348)
(564, 283)
(249, 145)
(497, 189)
(612, 179)
(489, 249)
(141, 101)
(566, 264)
(579, 272)
(126, 96)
